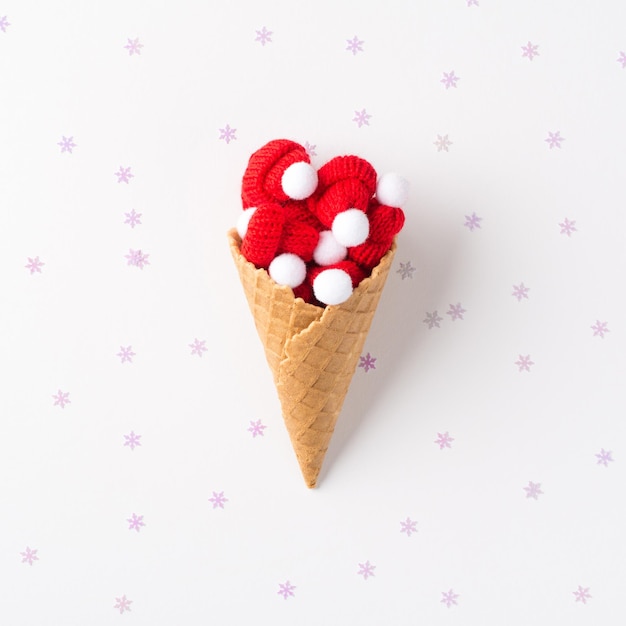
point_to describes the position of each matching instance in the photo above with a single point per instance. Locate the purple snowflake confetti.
(34, 265)
(604, 457)
(366, 570)
(408, 527)
(218, 500)
(123, 175)
(122, 604)
(472, 3)
(132, 440)
(432, 320)
(198, 347)
(256, 428)
(443, 143)
(29, 556)
(4, 23)
(132, 218)
(520, 292)
(355, 45)
(582, 594)
(67, 144)
(554, 140)
(524, 363)
(227, 133)
(61, 399)
(135, 522)
(263, 36)
(456, 312)
(133, 46)
(568, 227)
(449, 79)
(137, 258)
(310, 149)
(406, 270)
(533, 490)
(286, 590)
(367, 362)
(622, 59)
(449, 598)
(599, 328)
(361, 118)
(444, 440)
(472, 221)
(126, 354)
(530, 51)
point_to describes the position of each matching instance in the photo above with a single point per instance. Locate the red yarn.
(262, 180)
(356, 273)
(265, 229)
(385, 223)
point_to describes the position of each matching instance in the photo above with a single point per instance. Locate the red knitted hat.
(263, 179)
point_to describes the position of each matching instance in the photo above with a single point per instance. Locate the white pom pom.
(299, 180)
(328, 250)
(244, 220)
(332, 286)
(351, 227)
(288, 269)
(392, 189)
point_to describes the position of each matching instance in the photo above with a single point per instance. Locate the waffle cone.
(312, 351)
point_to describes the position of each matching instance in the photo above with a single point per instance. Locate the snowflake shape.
(29, 556)
(408, 527)
(443, 143)
(554, 140)
(132, 440)
(355, 45)
(622, 59)
(286, 589)
(432, 320)
(456, 312)
(137, 258)
(604, 457)
(361, 118)
(218, 500)
(406, 270)
(444, 440)
(135, 522)
(599, 328)
(524, 363)
(133, 46)
(472, 221)
(132, 218)
(367, 362)
(4, 22)
(67, 144)
(568, 227)
(449, 598)
(582, 594)
(449, 79)
(123, 175)
(61, 399)
(198, 347)
(520, 291)
(533, 490)
(530, 51)
(310, 149)
(366, 570)
(256, 428)
(228, 134)
(122, 604)
(263, 36)
(126, 354)
(34, 265)
(472, 3)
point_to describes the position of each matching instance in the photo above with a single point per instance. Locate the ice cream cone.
(312, 351)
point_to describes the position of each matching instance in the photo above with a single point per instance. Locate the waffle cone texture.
(312, 351)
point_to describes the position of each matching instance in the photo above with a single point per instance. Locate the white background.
(69, 485)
